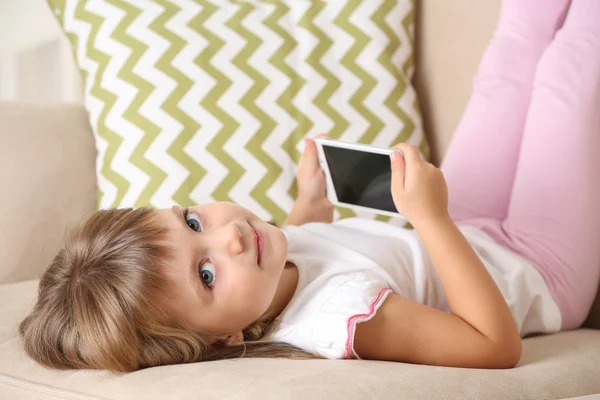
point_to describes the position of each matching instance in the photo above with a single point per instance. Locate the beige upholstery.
(47, 180)
(555, 366)
(451, 37)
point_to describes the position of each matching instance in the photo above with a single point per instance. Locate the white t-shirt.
(347, 268)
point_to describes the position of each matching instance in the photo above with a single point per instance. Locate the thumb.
(309, 159)
(398, 169)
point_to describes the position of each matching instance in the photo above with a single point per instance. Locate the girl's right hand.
(418, 188)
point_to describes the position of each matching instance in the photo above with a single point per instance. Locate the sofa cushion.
(47, 182)
(555, 366)
(193, 102)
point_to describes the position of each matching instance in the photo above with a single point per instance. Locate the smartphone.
(358, 176)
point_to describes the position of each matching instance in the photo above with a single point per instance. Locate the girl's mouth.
(259, 243)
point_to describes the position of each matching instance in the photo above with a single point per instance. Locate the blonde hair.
(98, 307)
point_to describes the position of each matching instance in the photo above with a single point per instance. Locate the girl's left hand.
(419, 189)
(311, 179)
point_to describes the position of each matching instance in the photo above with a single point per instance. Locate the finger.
(398, 169)
(309, 159)
(411, 153)
(311, 147)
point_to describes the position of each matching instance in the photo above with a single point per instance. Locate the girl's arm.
(479, 331)
(305, 211)
(470, 291)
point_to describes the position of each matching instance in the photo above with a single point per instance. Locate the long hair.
(98, 304)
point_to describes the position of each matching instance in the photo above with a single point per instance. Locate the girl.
(140, 288)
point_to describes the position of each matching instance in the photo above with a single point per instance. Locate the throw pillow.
(193, 101)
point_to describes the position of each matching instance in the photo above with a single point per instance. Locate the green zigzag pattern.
(249, 100)
(144, 89)
(230, 125)
(314, 60)
(109, 99)
(407, 25)
(296, 82)
(385, 60)
(368, 83)
(171, 106)
(259, 192)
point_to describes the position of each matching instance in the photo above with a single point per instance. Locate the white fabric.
(242, 77)
(346, 270)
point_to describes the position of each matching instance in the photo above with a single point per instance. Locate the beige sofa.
(47, 182)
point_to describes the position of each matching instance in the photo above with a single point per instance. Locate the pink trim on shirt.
(349, 353)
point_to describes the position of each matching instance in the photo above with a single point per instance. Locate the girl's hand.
(311, 179)
(312, 204)
(418, 188)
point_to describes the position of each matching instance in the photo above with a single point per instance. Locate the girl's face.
(221, 283)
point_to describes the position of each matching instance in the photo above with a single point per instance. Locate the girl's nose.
(233, 239)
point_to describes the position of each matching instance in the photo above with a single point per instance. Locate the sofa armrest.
(47, 180)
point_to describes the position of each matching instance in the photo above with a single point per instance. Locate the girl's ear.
(234, 338)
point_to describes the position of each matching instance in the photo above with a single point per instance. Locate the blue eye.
(207, 274)
(192, 221)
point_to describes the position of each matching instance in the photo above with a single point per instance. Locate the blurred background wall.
(36, 63)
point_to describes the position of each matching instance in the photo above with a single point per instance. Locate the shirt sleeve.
(355, 301)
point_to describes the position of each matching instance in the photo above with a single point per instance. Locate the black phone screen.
(361, 178)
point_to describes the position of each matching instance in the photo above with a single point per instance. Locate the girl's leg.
(554, 214)
(480, 163)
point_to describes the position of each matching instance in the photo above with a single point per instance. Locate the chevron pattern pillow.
(194, 101)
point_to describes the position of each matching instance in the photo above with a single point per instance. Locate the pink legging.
(524, 163)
